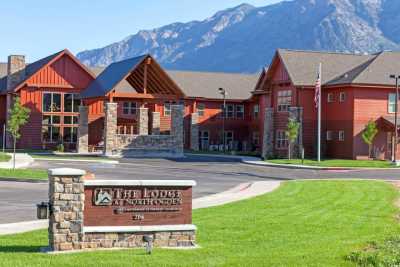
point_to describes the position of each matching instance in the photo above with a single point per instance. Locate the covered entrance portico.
(142, 109)
(386, 137)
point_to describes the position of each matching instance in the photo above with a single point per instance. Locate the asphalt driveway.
(213, 175)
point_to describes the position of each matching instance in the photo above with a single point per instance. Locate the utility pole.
(222, 91)
(396, 110)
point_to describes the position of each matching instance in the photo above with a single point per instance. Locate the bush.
(60, 148)
(386, 253)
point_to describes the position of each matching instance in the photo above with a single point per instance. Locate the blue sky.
(39, 28)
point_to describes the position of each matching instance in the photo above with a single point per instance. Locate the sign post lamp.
(396, 109)
(222, 91)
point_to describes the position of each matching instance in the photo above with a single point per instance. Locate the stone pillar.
(194, 132)
(177, 127)
(296, 113)
(268, 143)
(66, 198)
(155, 126)
(15, 71)
(143, 121)
(83, 130)
(110, 128)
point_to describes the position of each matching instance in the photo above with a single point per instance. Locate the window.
(330, 98)
(51, 134)
(239, 111)
(200, 109)
(51, 102)
(71, 103)
(228, 137)
(329, 135)
(204, 137)
(256, 111)
(167, 107)
(281, 139)
(341, 135)
(392, 103)
(70, 134)
(230, 111)
(129, 108)
(342, 97)
(256, 138)
(284, 100)
(70, 119)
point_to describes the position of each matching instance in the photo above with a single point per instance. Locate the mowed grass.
(34, 174)
(337, 163)
(303, 223)
(4, 157)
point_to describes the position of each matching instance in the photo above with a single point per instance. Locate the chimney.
(15, 70)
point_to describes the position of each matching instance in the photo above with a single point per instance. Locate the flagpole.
(319, 113)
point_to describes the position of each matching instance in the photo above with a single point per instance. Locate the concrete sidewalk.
(22, 160)
(240, 192)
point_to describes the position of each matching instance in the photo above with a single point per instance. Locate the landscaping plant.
(292, 133)
(19, 116)
(369, 134)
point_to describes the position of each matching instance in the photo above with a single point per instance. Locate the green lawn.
(61, 157)
(34, 174)
(4, 157)
(303, 223)
(337, 163)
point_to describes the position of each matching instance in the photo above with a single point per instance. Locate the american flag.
(318, 88)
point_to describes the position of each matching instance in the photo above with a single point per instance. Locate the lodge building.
(89, 109)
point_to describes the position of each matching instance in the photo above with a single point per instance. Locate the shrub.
(60, 148)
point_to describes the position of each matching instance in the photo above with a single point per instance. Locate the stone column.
(110, 128)
(143, 121)
(66, 197)
(83, 130)
(194, 132)
(268, 134)
(296, 113)
(177, 127)
(155, 126)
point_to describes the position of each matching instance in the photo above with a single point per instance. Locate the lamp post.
(396, 109)
(222, 91)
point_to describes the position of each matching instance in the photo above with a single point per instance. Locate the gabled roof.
(206, 84)
(112, 76)
(32, 68)
(302, 66)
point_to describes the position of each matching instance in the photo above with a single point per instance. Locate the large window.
(281, 139)
(71, 103)
(200, 109)
(239, 111)
(129, 108)
(284, 100)
(256, 111)
(392, 103)
(51, 102)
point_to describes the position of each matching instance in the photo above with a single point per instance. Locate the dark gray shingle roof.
(111, 77)
(206, 84)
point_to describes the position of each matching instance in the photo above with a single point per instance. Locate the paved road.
(17, 200)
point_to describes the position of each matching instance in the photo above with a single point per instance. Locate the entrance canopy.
(139, 77)
(388, 122)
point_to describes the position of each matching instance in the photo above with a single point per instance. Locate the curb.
(23, 180)
(79, 160)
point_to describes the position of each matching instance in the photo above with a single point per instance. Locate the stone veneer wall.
(143, 121)
(110, 128)
(155, 123)
(268, 144)
(194, 132)
(83, 130)
(66, 222)
(177, 113)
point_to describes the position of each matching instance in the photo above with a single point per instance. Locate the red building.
(356, 89)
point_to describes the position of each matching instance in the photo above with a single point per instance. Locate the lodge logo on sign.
(103, 197)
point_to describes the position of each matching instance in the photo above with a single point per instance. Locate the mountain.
(244, 38)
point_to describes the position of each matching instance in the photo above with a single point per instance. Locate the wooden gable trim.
(60, 55)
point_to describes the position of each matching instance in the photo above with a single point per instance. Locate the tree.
(18, 116)
(292, 133)
(369, 135)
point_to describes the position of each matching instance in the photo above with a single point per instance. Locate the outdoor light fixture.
(149, 243)
(396, 110)
(222, 91)
(43, 210)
